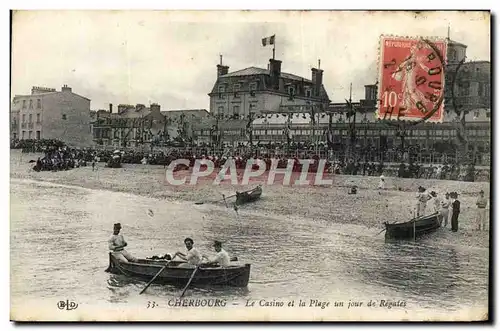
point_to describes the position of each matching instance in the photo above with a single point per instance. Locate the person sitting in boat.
(117, 245)
(221, 258)
(193, 256)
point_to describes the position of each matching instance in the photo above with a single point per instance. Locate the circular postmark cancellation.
(411, 80)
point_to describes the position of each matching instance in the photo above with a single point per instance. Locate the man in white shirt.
(117, 245)
(221, 258)
(192, 258)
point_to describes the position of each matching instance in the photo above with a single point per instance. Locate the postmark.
(411, 79)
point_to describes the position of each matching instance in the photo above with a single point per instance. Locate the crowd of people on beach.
(448, 206)
(74, 157)
(60, 158)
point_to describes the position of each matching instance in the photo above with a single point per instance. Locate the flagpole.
(274, 45)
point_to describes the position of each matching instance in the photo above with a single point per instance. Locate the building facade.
(255, 90)
(140, 126)
(50, 114)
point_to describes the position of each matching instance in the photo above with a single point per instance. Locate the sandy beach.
(370, 207)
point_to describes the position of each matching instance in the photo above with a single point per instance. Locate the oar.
(384, 229)
(201, 202)
(151, 281)
(190, 280)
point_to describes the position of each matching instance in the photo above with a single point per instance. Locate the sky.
(169, 57)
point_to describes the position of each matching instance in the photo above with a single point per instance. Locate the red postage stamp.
(411, 79)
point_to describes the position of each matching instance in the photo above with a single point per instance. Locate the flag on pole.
(268, 41)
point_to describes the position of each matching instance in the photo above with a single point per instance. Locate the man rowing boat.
(193, 256)
(221, 258)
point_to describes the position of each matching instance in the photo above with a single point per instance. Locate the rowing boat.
(413, 228)
(146, 269)
(248, 196)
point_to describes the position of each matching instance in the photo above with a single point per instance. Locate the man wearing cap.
(117, 245)
(192, 258)
(455, 205)
(222, 257)
(481, 204)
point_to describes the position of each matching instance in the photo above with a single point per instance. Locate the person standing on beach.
(481, 204)
(445, 209)
(455, 211)
(422, 198)
(381, 184)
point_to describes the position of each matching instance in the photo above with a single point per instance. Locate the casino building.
(267, 105)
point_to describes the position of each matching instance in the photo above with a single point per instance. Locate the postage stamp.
(412, 79)
(175, 166)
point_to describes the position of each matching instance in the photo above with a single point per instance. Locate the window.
(24, 104)
(31, 104)
(308, 93)
(488, 114)
(23, 134)
(236, 110)
(38, 135)
(38, 118)
(236, 89)
(39, 104)
(222, 89)
(291, 91)
(30, 118)
(220, 110)
(29, 134)
(253, 88)
(64, 116)
(476, 113)
(24, 118)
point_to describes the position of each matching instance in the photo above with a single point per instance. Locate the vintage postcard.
(250, 166)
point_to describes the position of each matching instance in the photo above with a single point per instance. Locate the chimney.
(275, 72)
(122, 108)
(139, 107)
(154, 107)
(110, 108)
(317, 80)
(39, 90)
(65, 88)
(222, 70)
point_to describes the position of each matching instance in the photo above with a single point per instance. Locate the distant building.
(141, 126)
(50, 114)
(255, 90)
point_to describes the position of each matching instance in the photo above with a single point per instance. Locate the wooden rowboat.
(248, 196)
(234, 275)
(413, 228)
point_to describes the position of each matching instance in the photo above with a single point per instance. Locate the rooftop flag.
(268, 41)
